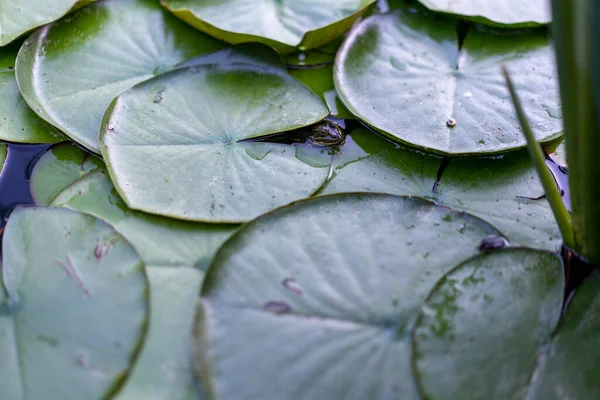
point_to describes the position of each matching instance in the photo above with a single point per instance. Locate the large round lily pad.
(18, 122)
(505, 191)
(516, 13)
(69, 71)
(403, 74)
(19, 17)
(159, 241)
(325, 298)
(59, 167)
(164, 369)
(569, 365)
(71, 319)
(172, 144)
(283, 25)
(480, 330)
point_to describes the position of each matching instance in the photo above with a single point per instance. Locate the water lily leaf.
(503, 191)
(402, 73)
(18, 18)
(513, 13)
(282, 25)
(172, 143)
(18, 122)
(71, 321)
(163, 370)
(320, 81)
(2, 155)
(325, 298)
(58, 168)
(488, 316)
(69, 71)
(159, 241)
(569, 366)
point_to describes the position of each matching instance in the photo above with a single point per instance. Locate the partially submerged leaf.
(505, 191)
(18, 17)
(158, 240)
(2, 155)
(69, 71)
(403, 74)
(325, 299)
(163, 371)
(173, 144)
(18, 122)
(489, 316)
(508, 13)
(58, 168)
(282, 25)
(569, 365)
(71, 323)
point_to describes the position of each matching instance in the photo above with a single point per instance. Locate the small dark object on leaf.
(491, 243)
(451, 123)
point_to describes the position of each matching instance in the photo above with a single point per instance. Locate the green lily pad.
(569, 366)
(58, 168)
(2, 155)
(159, 241)
(325, 298)
(18, 122)
(172, 144)
(163, 371)
(501, 190)
(513, 13)
(281, 25)
(320, 81)
(403, 74)
(489, 316)
(70, 71)
(18, 18)
(71, 321)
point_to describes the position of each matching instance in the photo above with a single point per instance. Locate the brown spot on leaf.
(277, 307)
(288, 283)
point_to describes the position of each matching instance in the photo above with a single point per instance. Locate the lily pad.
(18, 18)
(172, 144)
(164, 369)
(70, 71)
(570, 363)
(513, 13)
(489, 316)
(505, 191)
(403, 74)
(282, 25)
(325, 299)
(71, 322)
(58, 168)
(159, 241)
(18, 122)
(2, 155)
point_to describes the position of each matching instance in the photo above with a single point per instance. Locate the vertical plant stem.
(563, 219)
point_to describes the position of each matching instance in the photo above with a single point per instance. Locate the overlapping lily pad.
(159, 241)
(69, 71)
(2, 155)
(163, 371)
(172, 144)
(325, 298)
(569, 365)
(515, 13)
(18, 122)
(403, 74)
(505, 191)
(18, 17)
(71, 319)
(282, 25)
(59, 167)
(489, 317)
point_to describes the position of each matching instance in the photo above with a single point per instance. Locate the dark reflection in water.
(14, 179)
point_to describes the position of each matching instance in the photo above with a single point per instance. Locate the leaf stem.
(562, 216)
